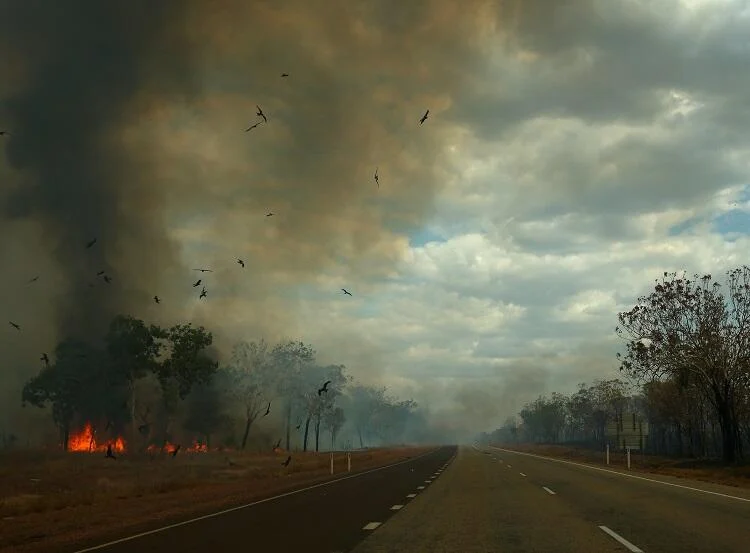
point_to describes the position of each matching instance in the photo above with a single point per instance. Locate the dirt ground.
(705, 470)
(47, 500)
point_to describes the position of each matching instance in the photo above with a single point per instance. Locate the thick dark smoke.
(82, 69)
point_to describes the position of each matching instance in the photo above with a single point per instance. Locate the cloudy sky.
(574, 151)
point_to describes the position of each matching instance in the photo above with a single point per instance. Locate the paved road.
(322, 519)
(497, 501)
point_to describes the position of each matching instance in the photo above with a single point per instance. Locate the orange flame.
(85, 440)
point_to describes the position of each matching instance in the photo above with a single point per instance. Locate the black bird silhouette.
(204, 270)
(285, 74)
(197, 283)
(278, 444)
(345, 291)
(203, 293)
(240, 262)
(288, 460)
(324, 388)
(3, 133)
(268, 409)
(251, 127)
(107, 279)
(269, 214)
(89, 244)
(45, 359)
(377, 180)
(261, 114)
(174, 453)
(156, 299)
(32, 280)
(100, 273)
(14, 325)
(424, 117)
(300, 424)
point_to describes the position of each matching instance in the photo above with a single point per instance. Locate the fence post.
(607, 453)
(348, 461)
(331, 462)
(628, 450)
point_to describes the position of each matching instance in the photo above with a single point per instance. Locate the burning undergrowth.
(88, 440)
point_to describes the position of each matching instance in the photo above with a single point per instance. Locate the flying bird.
(377, 180)
(251, 127)
(44, 359)
(204, 270)
(107, 279)
(278, 444)
(197, 283)
(174, 453)
(3, 133)
(345, 291)
(100, 273)
(285, 74)
(203, 293)
(288, 460)
(324, 388)
(269, 214)
(156, 299)
(424, 117)
(268, 409)
(89, 244)
(32, 280)
(298, 426)
(261, 114)
(14, 325)
(240, 262)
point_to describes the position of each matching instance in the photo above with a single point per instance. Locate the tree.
(133, 349)
(333, 420)
(694, 333)
(187, 364)
(206, 410)
(250, 373)
(289, 358)
(77, 384)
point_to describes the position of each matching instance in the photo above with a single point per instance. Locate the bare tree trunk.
(317, 432)
(288, 422)
(248, 423)
(307, 429)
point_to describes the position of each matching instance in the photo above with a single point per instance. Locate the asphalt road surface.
(326, 518)
(492, 500)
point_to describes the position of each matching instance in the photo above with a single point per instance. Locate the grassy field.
(55, 498)
(704, 470)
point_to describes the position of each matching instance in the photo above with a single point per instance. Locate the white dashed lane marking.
(371, 525)
(620, 539)
(396, 507)
(411, 495)
(546, 489)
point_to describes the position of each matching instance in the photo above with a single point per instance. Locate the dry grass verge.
(53, 499)
(703, 470)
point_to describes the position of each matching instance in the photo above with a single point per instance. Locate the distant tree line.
(156, 385)
(687, 359)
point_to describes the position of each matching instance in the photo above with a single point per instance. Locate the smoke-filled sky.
(574, 151)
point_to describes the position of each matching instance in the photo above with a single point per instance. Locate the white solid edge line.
(371, 525)
(622, 540)
(546, 489)
(239, 507)
(627, 475)
(396, 507)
